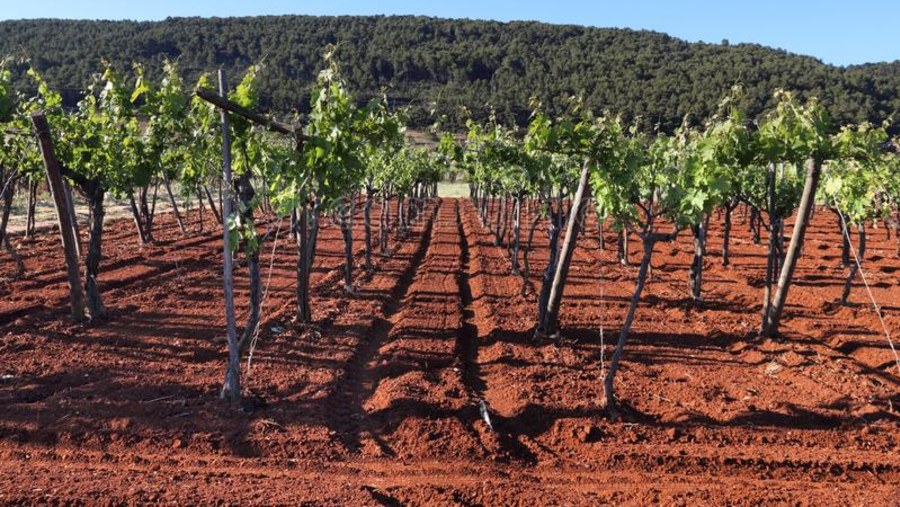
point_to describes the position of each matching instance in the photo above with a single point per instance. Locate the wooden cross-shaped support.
(232, 388)
(259, 119)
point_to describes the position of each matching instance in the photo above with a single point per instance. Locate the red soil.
(380, 406)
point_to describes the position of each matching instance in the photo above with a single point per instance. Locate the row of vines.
(130, 138)
(133, 139)
(656, 187)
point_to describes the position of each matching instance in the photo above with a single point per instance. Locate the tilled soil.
(424, 385)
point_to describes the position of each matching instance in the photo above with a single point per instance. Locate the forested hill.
(440, 65)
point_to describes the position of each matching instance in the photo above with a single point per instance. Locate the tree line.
(440, 67)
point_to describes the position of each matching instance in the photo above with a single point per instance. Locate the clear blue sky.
(840, 32)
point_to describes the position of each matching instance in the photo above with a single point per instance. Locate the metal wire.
(862, 274)
(265, 297)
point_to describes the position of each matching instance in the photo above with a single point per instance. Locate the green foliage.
(124, 136)
(345, 148)
(241, 231)
(18, 150)
(202, 149)
(889, 185)
(795, 132)
(332, 152)
(854, 180)
(438, 65)
(98, 140)
(7, 94)
(166, 111)
(47, 99)
(382, 138)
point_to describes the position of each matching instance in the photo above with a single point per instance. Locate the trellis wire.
(862, 274)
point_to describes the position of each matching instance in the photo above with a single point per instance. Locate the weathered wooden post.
(66, 227)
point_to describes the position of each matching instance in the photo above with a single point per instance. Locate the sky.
(837, 32)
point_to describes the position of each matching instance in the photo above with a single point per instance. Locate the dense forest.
(437, 67)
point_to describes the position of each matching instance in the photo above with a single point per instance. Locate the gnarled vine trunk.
(649, 241)
(555, 227)
(30, 221)
(622, 247)
(526, 273)
(367, 222)
(212, 205)
(516, 231)
(346, 214)
(726, 235)
(845, 237)
(854, 269)
(95, 307)
(6, 192)
(695, 273)
(771, 258)
(173, 202)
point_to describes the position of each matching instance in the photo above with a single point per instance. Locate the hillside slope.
(440, 65)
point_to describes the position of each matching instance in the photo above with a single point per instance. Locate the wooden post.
(232, 388)
(304, 314)
(212, 205)
(562, 269)
(66, 228)
(29, 215)
(73, 217)
(807, 203)
(174, 203)
(770, 259)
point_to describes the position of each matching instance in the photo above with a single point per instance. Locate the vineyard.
(610, 316)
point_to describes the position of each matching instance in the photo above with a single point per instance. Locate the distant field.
(453, 189)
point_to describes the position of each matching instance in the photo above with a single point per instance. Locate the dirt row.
(416, 387)
(139, 389)
(707, 398)
(424, 386)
